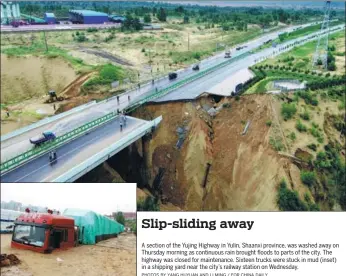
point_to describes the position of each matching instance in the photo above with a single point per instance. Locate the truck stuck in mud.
(44, 233)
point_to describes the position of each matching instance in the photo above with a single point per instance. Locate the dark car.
(46, 136)
(195, 67)
(172, 76)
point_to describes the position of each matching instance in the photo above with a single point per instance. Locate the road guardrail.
(155, 94)
(46, 147)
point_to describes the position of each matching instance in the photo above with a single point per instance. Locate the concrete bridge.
(78, 156)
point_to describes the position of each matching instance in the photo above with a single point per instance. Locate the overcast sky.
(103, 198)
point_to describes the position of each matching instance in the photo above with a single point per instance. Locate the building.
(9, 12)
(49, 18)
(87, 17)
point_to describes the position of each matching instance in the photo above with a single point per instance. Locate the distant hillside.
(286, 4)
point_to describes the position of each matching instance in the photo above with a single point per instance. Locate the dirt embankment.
(116, 256)
(29, 76)
(217, 168)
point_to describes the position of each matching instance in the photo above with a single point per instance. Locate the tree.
(180, 9)
(186, 19)
(154, 11)
(120, 218)
(147, 18)
(288, 110)
(308, 178)
(289, 200)
(162, 16)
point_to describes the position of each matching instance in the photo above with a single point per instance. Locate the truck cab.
(44, 232)
(46, 136)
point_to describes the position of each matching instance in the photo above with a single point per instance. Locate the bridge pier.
(146, 158)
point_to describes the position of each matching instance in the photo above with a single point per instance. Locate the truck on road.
(228, 54)
(45, 232)
(40, 139)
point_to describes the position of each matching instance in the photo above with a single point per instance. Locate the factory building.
(87, 17)
(9, 12)
(49, 18)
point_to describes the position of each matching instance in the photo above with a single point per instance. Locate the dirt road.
(113, 257)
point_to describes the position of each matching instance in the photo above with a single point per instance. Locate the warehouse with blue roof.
(87, 17)
(49, 18)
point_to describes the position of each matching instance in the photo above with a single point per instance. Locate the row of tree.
(205, 14)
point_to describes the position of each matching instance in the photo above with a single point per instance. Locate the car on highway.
(195, 67)
(172, 76)
(228, 54)
(40, 139)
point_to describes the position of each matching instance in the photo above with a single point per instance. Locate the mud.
(106, 55)
(8, 260)
(116, 256)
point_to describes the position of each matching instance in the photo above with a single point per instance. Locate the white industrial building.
(9, 11)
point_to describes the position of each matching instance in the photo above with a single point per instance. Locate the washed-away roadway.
(20, 143)
(192, 90)
(72, 153)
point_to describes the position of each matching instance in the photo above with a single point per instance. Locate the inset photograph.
(68, 229)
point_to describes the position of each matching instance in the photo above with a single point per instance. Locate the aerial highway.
(20, 143)
(71, 155)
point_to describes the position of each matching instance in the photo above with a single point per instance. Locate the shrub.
(226, 105)
(308, 178)
(288, 110)
(292, 136)
(276, 144)
(305, 116)
(109, 38)
(312, 147)
(237, 98)
(269, 123)
(149, 204)
(289, 200)
(143, 50)
(300, 127)
(92, 30)
(331, 66)
(312, 206)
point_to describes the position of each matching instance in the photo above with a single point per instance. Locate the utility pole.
(321, 52)
(188, 41)
(45, 40)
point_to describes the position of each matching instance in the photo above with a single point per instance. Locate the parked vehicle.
(195, 67)
(15, 24)
(172, 76)
(53, 97)
(45, 232)
(46, 136)
(228, 54)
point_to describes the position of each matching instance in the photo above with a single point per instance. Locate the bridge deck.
(72, 153)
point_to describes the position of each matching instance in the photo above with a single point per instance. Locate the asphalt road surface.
(19, 144)
(72, 154)
(56, 27)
